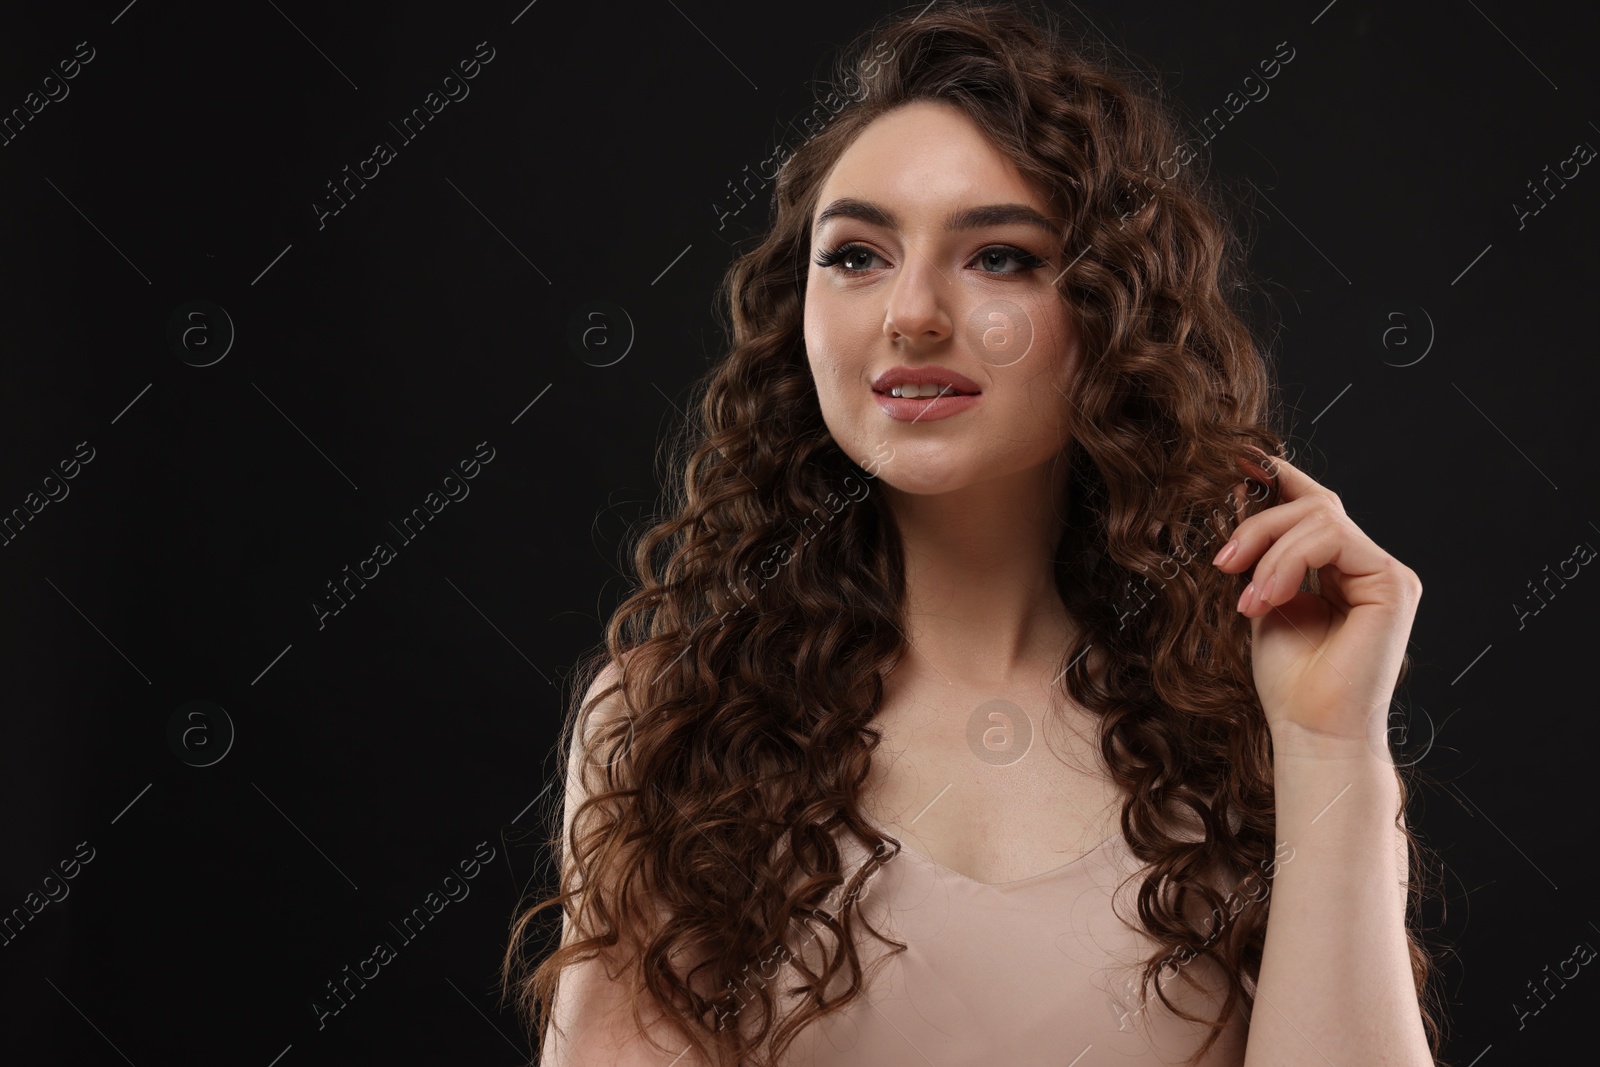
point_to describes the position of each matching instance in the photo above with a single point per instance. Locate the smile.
(926, 389)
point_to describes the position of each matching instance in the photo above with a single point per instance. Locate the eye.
(849, 253)
(843, 253)
(1028, 260)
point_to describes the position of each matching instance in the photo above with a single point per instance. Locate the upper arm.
(583, 774)
(1402, 855)
(592, 1014)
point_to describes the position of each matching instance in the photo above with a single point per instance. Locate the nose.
(917, 309)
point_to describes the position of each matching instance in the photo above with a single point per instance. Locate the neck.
(981, 598)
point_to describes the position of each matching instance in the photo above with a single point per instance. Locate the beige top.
(1034, 971)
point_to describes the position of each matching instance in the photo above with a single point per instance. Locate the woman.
(1138, 782)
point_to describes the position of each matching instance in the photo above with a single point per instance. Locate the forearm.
(1336, 984)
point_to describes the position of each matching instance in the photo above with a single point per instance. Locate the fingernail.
(1226, 554)
(1246, 598)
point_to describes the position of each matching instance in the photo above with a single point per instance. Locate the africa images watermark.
(1220, 921)
(1582, 554)
(15, 121)
(1582, 153)
(782, 954)
(815, 121)
(55, 890)
(1181, 556)
(12, 525)
(832, 505)
(410, 527)
(383, 953)
(383, 153)
(1583, 953)
(1255, 90)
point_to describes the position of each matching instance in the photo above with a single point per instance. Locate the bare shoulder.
(611, 705)
(592, 1016)
(599, 715)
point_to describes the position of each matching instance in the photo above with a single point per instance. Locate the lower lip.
(924, 409)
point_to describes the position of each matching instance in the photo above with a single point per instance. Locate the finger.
(1256, 534)
(1322, 541)
(1275, 580)
(1292, 482)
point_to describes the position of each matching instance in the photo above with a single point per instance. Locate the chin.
(921, 476)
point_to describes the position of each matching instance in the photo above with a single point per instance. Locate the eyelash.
(1029, 261)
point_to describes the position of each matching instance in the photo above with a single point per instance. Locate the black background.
(374, 753)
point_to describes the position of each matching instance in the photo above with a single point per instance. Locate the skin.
(973, 495)
(982, 602)
(1325, 667)
(974, 498)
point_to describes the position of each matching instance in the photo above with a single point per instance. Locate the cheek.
(1069, 349)
(832, 343)
(819, 341)
(1048, 381)
(1059, 352)
(810, 314)
(825, 347)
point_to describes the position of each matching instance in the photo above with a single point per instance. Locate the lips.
(949, 381)
(925, 409)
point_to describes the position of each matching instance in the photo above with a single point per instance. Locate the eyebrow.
(971, 218)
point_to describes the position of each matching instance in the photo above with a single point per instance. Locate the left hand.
(1325, 662)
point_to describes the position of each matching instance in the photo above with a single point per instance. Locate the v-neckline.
(934, 864)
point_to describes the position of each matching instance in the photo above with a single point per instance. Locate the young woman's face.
(972, 306)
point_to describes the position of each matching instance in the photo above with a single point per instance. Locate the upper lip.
(902, 375)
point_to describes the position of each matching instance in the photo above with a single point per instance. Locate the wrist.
(1291, 741)
(1332, 785)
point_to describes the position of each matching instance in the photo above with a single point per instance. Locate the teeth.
(928, 389)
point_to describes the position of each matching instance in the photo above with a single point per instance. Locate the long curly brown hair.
(748, 728)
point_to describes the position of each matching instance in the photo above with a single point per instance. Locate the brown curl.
(746, 669)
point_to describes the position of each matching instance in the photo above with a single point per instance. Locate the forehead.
(927, 156)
